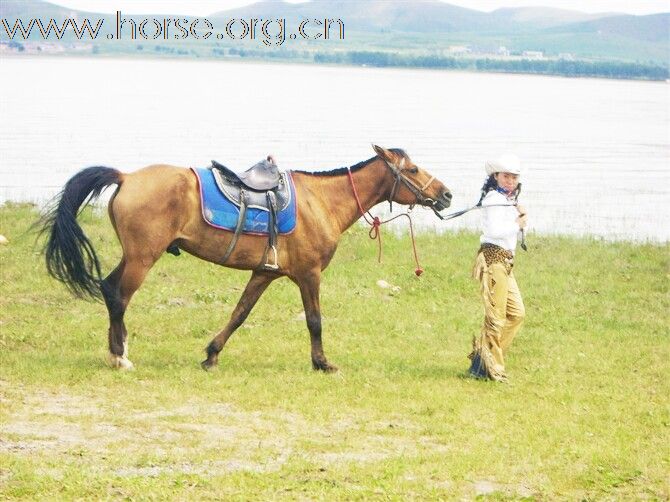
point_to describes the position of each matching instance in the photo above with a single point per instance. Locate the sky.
(204, 7)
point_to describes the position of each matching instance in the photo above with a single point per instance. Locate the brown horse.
(159, 207)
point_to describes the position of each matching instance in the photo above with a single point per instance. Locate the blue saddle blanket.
(220, 212)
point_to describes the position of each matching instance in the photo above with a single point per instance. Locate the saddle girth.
(238, 227)
(272, 239)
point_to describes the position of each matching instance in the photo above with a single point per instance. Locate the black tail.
(69, 254)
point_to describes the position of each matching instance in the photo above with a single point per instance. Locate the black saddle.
(238, 192)
(260, 177)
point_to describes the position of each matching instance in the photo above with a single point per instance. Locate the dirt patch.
(51, 421)
(485, 487)
(164, 441)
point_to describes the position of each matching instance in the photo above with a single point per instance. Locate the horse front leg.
(252, 292)
(309, 291)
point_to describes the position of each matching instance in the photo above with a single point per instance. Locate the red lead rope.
(375, 226)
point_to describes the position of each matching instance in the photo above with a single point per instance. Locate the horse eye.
(413, 170)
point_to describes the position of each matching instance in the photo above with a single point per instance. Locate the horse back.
(160, 186)
(160, 205)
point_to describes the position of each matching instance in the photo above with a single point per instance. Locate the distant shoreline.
(255, 58)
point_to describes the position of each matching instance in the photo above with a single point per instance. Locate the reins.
(476, 206)
(375, 222)
(479, 206)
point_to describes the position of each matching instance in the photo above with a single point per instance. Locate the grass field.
(586, 414)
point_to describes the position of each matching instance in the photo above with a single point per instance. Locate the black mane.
(355, 167)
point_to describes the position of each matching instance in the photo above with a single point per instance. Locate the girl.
(503, 306)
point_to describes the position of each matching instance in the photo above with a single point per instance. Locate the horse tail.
(70, 256)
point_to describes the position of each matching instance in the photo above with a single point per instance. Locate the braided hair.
(492, 184)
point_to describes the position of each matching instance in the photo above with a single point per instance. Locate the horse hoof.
(324, 366)
(120, 363)
(207, 365)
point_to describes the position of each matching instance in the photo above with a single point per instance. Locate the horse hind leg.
(118, 350)
(117, 289)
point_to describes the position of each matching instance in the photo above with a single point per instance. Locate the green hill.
(386, 32)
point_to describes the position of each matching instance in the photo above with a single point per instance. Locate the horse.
(158, 207)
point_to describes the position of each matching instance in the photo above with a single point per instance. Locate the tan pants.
(503, 315)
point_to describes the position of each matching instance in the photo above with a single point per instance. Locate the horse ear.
(382, 152)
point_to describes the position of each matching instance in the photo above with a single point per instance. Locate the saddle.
(262, 187)
(261, 177)
(234, 188)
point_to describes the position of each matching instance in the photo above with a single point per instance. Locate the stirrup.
(275, 265)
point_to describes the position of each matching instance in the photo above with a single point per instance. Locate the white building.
(459, 49)
(533, 54)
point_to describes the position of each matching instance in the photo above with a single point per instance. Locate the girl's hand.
(522, 219)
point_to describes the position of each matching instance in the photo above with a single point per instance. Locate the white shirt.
(499, 225)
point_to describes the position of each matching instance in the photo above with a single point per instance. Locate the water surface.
(596, 152)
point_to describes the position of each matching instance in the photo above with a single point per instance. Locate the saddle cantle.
(234, 190)
(262, 176)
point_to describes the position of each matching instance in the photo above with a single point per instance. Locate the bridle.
(375, 222)
(418, 192)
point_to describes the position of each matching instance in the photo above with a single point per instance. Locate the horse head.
(412, 184)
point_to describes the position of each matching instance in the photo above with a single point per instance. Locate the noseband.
(417, 191)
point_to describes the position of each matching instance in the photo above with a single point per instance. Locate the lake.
(596, 153)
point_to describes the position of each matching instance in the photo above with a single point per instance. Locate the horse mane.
(355, 167)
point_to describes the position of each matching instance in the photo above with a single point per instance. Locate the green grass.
(586, 415)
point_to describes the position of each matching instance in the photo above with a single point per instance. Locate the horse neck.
(373, 184)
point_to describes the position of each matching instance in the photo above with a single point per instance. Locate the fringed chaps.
(503, 313)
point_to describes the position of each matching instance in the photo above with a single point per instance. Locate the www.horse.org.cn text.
(271, 32)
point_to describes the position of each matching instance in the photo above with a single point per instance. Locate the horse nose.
(446, 197)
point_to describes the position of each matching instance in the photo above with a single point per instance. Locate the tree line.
(565, 67)
(562, 67)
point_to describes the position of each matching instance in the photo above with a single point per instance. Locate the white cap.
(507, 163)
